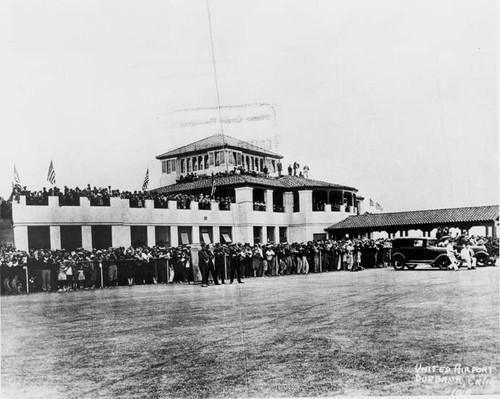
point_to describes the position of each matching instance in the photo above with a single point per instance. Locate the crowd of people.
(62, 270)
(101, 197)
(79, 269)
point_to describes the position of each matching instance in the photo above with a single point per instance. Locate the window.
(101, 236)
(195, 165)
(296, 202)
(270, 233)
(184, 235)
(183, 166)
(162, 235)
(138, 236)
(38, 237)
(206, 161)
(239, 158)
(283, 234)
(173, 161)
(188, 163)
(257, 234)
(217, 158)
(418, 243)
(169, 168)
(226, 234)
(164, 166)
(206, 235)
(319, 236)
(71, 237)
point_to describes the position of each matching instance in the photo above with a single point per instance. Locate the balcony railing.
(100, 201)
(259, 206)
(161, 204)
(205, 206)
(318, 207)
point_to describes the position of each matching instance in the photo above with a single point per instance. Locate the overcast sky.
(396, 98)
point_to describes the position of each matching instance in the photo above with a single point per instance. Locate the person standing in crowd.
(259, 265)
(349, 255)
(68, 263)
(139, 266)
(290, 170)
(305, 263)
(247, 260)
(61, 275)
(269, 261)
(237, 256)
(220, 262)
(163, 264)
(46, 271)
(112, 263)
(147, 263)
(296, 166)
(205, 262)
(280, 168)
(203, 265)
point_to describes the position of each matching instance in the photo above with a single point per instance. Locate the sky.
(396, 98)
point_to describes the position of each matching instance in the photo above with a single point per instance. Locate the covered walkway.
(400, 223)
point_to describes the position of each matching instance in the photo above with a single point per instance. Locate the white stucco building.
(264, 207)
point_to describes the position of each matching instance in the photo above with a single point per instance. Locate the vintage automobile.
(409, 252)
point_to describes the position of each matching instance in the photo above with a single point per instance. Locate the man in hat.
(236, 252)
(220, 257)
(206, 266)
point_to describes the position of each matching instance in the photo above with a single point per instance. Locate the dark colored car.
(409, 252)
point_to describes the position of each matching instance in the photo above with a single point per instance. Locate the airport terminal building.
(262, 204)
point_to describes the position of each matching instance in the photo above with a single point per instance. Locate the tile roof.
(284, 182)
(218, 141)
(471, 214)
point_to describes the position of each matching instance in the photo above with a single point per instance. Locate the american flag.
(146, 181)
(51, 176)
(17, 181)
(212, 192)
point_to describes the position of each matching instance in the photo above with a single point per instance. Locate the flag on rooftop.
(212, 192)
(146, 181)
(51, 176)
(16, 184)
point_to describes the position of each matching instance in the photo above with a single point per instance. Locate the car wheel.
(481, 260)
(443, 263)
(411, 266)
(398, 263)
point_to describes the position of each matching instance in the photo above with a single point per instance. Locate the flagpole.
(226, 156)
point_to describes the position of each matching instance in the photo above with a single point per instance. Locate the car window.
(418, 243)
(431, 243)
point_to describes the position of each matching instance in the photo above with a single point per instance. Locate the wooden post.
(102, 279)
(27, 280)
(225, 266)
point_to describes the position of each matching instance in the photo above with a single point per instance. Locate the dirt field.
(340, 333)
